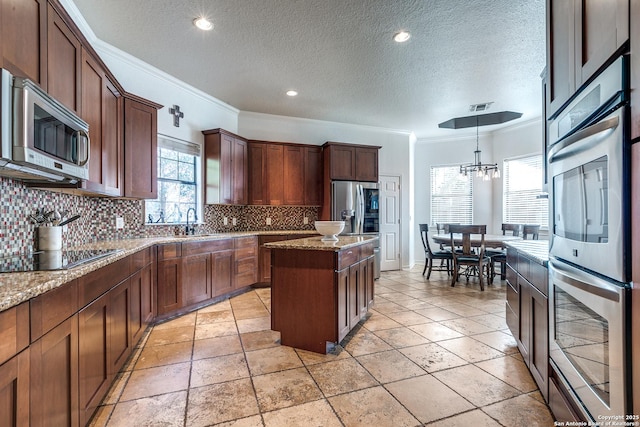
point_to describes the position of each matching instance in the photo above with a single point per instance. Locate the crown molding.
(506, 129)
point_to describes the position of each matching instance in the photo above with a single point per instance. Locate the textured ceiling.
(340, 57)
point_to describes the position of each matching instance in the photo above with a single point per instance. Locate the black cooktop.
(51, 260)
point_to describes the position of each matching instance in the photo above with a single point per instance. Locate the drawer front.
(538, 277)
(140, 259)
(246, 242)
(52, 308)
(513, 297)
(348, 257)
(512, 276)
(14, 331)
(512, 257)
(206, 246)
(98, 282)
(246, 272)
(169, 250)
(366, 250)
(524, 266)
(246, 252)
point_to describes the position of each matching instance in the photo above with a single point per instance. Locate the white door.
(390, 222)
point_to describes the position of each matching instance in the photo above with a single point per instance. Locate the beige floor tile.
(415, 304)
(101, 416)
(219, 346)
(493, 321)
(218, 369)
(371, 407)
(272, 360)
(167, 354)
(379, 321)
(512, 371)
(408, 318)
(214, 316)
(285, 388)
(435, 331)
(387, 307)
(166, 409)
(475, 385)
(500, 340)
(436, 314)
(432, 357)
(521, 410)
(254, 325)
(218, 329)
(317, 413)
(401, 337)
(114, 393)
(170, 335)
(259, 340)
(389, 366)
(219, 403)
(312, 358)
(341, 376)
(364, 342)
(250, 313)
(153, 381)
(253, 421)
(442, 401)
(219, 306)
(184, 320)
(466, 326)
(470, 349)
(475, 418)
(465, 310)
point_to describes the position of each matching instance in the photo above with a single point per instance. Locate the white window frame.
(518, 204)
(450, 198)
(185, 147)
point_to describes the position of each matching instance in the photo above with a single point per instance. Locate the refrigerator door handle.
(360, 212)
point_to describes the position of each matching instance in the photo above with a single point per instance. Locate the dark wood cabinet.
(293, 177)
(222, 272)
(274, 174)
(197, 278)
(312, 176)
(264, 256)
(169, 278)
(23, 26)
(245, 262)
(581, 38)
(120, 333)
(226, 168)
(257, 173)
(64, 59)
(527, 314)
(343, 290)
(14, 390)
(140, 148)
(367, 164)
(53, 388)
(142, 301)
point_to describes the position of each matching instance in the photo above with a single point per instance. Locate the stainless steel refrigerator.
(357, 204)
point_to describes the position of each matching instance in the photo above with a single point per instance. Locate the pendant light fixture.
(486, 171)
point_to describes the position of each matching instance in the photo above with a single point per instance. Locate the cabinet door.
(169, 284)
(112, 156)
(140, 150)
(275, 174)
(367, 164)
(92, 112)
(257, 174)
(93, 356)
(343, 162)
(141, 302)
(222, 272)
(342, 284)
(63, 62)
(363, 281)
(560, 53)
(293, 178)
(539, 349)
(524, 338)
(240, 172)
(196, 280)
(602, 27)
(120, 334)
(371, 282)
(54, 377)
(23, 38)
(354, 300)
(226, 169)
(14, 391)
(312, 176)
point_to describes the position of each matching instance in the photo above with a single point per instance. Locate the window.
(522, 186)
(178, 182)
(451, 195)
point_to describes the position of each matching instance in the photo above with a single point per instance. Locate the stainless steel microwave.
(42, 140)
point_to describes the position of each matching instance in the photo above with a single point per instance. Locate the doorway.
(390, 223)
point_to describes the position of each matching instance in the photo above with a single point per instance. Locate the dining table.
(490, 240)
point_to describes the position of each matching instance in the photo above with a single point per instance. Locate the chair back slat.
(515, 229)
(530, 230)
(424, 235)
(466, 231)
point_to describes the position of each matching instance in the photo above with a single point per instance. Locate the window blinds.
(451, 196)
(522, 185)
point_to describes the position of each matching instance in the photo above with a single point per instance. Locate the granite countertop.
(536, 250)
(316, 243)
(16, 288)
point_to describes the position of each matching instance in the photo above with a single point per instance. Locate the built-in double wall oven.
(589, 266)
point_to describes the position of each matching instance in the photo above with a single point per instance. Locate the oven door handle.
(585, 281)
(556, 149)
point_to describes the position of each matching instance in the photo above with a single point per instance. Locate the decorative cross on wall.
(177, 115)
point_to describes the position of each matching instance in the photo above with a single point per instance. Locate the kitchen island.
(320, 290)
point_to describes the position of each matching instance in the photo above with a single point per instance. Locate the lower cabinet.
(14, 390)
(222, 272)
(245, 262)
(196, 278)
(355, 287)
(142, 301)
(169, 278)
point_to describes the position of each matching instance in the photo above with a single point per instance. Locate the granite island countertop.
(317, 244)
(536, 250)
(16, 288)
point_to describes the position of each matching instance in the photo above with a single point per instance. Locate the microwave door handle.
(87, 143)
(556, 149)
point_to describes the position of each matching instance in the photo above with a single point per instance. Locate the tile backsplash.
(97, 217)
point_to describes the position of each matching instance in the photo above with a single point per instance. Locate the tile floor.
(429, 354)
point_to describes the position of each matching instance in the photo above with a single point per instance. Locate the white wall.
(513, 141)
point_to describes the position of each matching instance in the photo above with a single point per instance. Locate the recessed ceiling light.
(401, 36)
(292, 93)
(203, 23)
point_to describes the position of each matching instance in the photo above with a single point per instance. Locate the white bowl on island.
(329, 229)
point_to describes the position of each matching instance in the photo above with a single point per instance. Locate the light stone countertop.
(316, 243)
(536, 250)
(16, 288)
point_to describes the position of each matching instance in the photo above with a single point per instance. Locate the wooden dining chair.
(530, 230)
(430, 255)
(500, 255)
(466, 256)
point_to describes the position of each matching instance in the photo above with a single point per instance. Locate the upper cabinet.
(284, 174)
(348, 162)
(23, 24)
(582, 35)
(140, 148)
(225, 169)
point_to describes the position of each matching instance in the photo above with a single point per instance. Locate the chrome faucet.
(191, 229)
